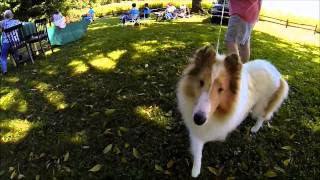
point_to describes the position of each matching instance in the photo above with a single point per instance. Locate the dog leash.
(218, 41)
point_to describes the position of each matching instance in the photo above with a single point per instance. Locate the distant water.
(306, 8)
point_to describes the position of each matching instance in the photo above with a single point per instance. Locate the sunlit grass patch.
(154, 114)
(77, 138)
(109, 62)
(14, 130)
(50, 70)
(12, 79)
(78, 67)
(55, 98)
(316, 60)
(12, 100)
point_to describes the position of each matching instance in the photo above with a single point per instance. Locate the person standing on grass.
(243, 16)
(91, 13)
(146, 11)
(5, 47)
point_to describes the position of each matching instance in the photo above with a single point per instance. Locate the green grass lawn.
(105, 108)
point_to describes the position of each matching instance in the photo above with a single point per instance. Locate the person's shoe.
(5, 73)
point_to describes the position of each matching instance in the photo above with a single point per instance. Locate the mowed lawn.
(104, 107)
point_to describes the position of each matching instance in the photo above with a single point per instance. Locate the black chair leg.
(43, 52)
(29, 49)
(30, 45)
(50, 45)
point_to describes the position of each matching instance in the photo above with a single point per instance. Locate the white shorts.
(239, 31)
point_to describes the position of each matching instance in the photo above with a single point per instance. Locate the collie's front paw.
(255, 129)
(195, 172)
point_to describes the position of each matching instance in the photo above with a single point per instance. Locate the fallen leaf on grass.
(170, 163)
(13, 174)
(286, 162)
(107, 131)
(107, 149)
(20, 176)
(215, 171)
(119, 133)
(167, 172)
(292, 136)
(123, 129)
(94, 114)
(158, 167)
(2, 172)
(116, 150)
(95, 168)
(42, 155)
(288, 148)
(109, 111)
(136, 153)
(270, 173)
(168, 114)
(126, 145)
(88, 105)
(279, 169)
(37, 177)
(11, 169)
(66, 157)
(66, 168)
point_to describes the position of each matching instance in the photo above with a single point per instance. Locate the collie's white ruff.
(259, 82)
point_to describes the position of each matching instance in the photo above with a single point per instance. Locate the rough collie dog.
(216, 93)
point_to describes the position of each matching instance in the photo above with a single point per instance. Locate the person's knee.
(232, 47)
(244, 51)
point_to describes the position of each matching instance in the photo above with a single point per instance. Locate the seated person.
(170, 12)
(146, 11)
(133, 14)
(90, 15)
(59, 20)
(184, 11)
(5, 24)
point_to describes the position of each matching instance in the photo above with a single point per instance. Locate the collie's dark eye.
(220, 90)
(201, 83)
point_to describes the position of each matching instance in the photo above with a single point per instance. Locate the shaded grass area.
(107, 104)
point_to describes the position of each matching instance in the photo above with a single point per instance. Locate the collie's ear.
(204, 57)
(233, 63)
(233, 66)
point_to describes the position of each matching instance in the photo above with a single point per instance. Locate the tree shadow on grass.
(131, 103)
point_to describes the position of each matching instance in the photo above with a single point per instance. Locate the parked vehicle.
(216, 12)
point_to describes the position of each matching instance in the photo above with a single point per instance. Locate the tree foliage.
(25, 9)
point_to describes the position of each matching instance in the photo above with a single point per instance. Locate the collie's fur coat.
(217, 92)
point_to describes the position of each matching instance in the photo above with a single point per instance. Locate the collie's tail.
(276, 100)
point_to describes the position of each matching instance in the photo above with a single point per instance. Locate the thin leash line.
(218, 41)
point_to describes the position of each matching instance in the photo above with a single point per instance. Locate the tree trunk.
(196, 6)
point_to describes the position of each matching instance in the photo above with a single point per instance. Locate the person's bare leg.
(244, 52)
(232, 48)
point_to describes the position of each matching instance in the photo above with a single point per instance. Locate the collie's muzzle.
(201, 111)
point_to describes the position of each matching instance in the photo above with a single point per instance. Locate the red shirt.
(246, 9)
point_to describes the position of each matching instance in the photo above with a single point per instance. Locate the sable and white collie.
(217, 92)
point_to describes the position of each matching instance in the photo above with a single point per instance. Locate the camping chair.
(40, 35)
(17, 41)
(133, 19)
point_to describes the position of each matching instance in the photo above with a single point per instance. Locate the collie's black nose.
(199, 118)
